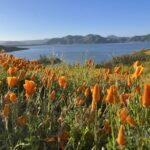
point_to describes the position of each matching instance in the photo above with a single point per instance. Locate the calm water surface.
(80, 52)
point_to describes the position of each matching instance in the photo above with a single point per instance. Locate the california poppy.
(53, 95)
(131, 121)
(62, 82)
(12, 81)
(146, 96)
(129, 81)
(13, 97)
(6, 110)
(111, 95)
(117, 69)
(22, 120)
(121, 137)
(87, 92)
(30, 87)
(96, 93)
(138, 71)
(12, 71)
(79, 100)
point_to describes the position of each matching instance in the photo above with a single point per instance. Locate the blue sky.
(38, 19)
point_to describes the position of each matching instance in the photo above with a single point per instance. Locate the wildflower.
(6, 110)
(136, 64)
(12, 71)
(94, 105)
(107, 126)
(50, 139)
(79, 100)
(129, 81)
(7, 96)
(87, 92)
(138, 71)
(62, 82)
(131, 121)
(95, 97)
(138, 90)
(43, 81)
(107, 71)
(96, 93)
(12, 81)
(30, 87)
(121, 137)
(122, 114)
(13, 97)
(59, 120)
(124, 97)
(63, 138)
(117, 69)
(53, 95)
(111, 95)
(146, 96)
(22, 120)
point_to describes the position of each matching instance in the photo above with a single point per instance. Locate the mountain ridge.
(80, 39)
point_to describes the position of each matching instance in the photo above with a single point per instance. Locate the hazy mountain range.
(79, 39)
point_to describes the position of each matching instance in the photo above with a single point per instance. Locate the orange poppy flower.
(146, 96)
(111, 95)
(62, 82)
(123, 115)
(94, 105)
(129, 81)
(136, 64)
(59, 120)
(12, 81)
(107, 126)
(138, 89)
(50, 139)
(6, 110)
(63, 136)
(117, 69)
(107, 71)
(12, 71)
(124, 97)
(22, 120)
(131, 121)
(43, 81)
(30, 87)
(7, 96)
(121, 137)
(87, 92)
(53, 95)
(13, 97)
(138, 71)
(96, 93)
(79, 100)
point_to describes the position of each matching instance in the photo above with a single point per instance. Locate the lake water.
(81, 52)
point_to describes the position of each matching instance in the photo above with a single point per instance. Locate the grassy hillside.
(73, 107)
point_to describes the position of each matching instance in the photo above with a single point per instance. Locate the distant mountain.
(79, 39)
(95, 39)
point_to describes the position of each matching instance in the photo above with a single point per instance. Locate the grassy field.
(74, 107)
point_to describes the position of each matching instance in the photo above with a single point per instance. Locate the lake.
(81, 52)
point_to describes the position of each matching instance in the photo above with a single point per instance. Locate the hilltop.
(80, 39)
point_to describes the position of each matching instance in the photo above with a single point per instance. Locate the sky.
(40, 19)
